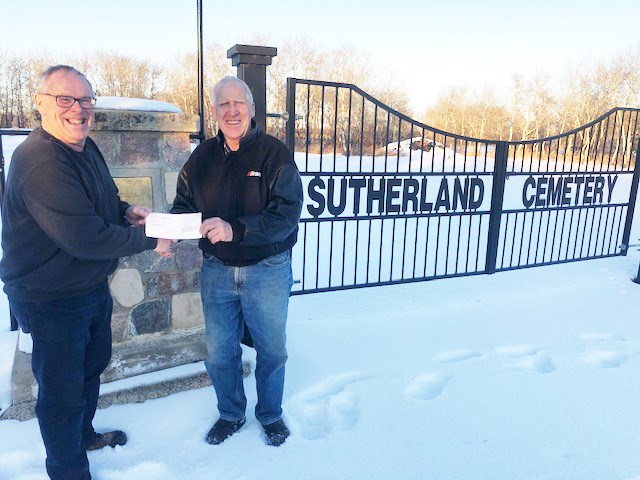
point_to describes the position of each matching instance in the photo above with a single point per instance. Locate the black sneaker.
(277, 432)
(111, 439)
(222, 430)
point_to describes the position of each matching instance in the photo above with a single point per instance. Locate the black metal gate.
(391, 200)
(578, 194)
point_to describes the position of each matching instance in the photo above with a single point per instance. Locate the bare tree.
(181, 84)
(121, 75)
(14, 102)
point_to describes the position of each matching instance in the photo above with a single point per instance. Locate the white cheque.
(173, 226)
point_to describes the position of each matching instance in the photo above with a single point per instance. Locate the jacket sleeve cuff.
(124, 206)
(238, 231)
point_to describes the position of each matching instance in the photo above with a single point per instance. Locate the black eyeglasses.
(66, 101)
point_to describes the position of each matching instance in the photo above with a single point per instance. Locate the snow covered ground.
(531, 374)
(527, 375)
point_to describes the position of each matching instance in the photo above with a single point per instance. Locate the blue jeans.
(257, 295)
(71, 348)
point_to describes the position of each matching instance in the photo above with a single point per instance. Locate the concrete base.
(138, 356)
(26, 410)
(149, 353)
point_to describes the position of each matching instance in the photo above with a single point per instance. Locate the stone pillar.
(252, 62)
(152, 295)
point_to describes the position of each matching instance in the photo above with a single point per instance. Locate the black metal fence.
(391, 200)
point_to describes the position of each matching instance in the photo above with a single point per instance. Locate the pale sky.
(427, 46)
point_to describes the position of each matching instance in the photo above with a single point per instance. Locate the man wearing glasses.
(64, 228)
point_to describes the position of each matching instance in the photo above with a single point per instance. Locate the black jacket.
(63, 226)
(257, 189)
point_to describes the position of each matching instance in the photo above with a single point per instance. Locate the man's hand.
(136, 215)
(165, 247)
(216, 230)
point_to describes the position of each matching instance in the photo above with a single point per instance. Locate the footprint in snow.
(539, 362)
(602, 337)
(527, 357)
(605, 358)
(515, 351)
(459, 355)
(326, 407)
(606, 354)
(427, 386)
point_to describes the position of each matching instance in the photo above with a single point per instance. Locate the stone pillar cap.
(141, 120)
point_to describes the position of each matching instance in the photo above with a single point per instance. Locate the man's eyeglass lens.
(67, 102)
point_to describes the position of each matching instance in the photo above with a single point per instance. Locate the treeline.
(531, 108)
(112, 74)
(543, 105)
(115, 74)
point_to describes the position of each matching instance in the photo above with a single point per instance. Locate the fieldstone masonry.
(126, 286)
(153, 296)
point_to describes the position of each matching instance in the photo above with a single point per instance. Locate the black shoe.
(111, 439)
(222, 430)
(277, 433)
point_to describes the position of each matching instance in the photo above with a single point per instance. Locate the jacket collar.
(248, 139)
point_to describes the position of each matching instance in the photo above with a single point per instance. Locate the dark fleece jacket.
(63, 226)
(257, 189)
